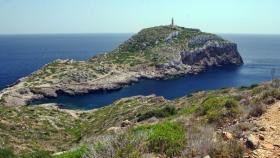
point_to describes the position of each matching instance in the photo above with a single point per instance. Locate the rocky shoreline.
(24, 95)
(109, 72)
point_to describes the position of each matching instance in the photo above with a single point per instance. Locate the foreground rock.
(252, 142)
(158, 52)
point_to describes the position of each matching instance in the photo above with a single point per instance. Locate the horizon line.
(84, 33)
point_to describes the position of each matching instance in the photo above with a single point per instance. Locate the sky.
(130, 16)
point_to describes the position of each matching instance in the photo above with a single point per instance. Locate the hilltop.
(157, 52)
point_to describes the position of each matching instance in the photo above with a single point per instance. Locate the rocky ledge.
(155, 53)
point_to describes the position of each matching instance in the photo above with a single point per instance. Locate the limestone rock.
(244, 102)
(212, 54)
(254, 129)
(207, 156)
(114, 129)
(261, 137)
(252, 142)
(126, 123)
(227, 136)
(262, 129)
(152, 120)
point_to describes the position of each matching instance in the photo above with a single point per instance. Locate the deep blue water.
(20, 55)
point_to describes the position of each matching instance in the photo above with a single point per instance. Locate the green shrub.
(216, 108)
(7, 153)
(37, 154)
(248, 87)
(129, 145)
(76, 132)
(231, 104)
(165, 138)
(159, 113)
(78, 153)
(257, 90)
(128, 151)
(189, 110)
(168, 138)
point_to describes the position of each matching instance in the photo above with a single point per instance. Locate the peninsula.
(156, 53)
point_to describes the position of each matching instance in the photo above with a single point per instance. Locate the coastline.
(130, 62)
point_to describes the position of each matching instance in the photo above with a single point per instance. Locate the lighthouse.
(172, 22)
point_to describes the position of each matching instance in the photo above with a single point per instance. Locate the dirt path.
(269, 133)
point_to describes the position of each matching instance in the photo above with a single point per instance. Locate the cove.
(213, 78)
(25, 54)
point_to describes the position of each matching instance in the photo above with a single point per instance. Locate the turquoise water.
(260, 54)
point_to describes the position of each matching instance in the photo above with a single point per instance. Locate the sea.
(21, 55)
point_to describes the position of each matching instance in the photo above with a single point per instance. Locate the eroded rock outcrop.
(212, 53)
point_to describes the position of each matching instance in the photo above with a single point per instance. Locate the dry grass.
(203, 140)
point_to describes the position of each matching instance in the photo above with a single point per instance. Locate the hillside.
(220, 123)
(157, 52)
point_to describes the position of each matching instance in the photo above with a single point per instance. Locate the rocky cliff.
(156, 52)
(212, 53)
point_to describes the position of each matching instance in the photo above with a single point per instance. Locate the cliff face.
(212, 53)
(156, 52)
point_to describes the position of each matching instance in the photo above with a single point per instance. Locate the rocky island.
(156, 53)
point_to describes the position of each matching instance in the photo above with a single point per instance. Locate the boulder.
(252, 142)
(261, 137)
(47, 92)
(254, 129)
(126, 123)
(262, 129)
(153, 120)
(227, 136)
(244, 101)
(207, 156)
(171, 36)
(114, 129)
(23, 91)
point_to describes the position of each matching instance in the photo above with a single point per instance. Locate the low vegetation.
(164, 138)
(217, 108)
(203, 140)
(9, 153)
(185, 127)
(76, 153)
(158, 113)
